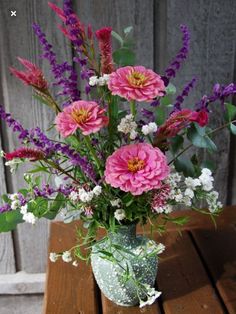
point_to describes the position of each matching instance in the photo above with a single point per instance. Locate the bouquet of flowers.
(117, 157)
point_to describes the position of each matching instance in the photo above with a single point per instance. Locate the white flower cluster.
(100, 81)
(27, 216)
(116, 202)
(66, 257)
(128, 126)
(119, 214)
(149, 128)
(166, 209)
(85, 196)
(152, 295)
(212, 200)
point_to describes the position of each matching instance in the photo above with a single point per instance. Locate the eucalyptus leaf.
(185, 166)
(117, 37)
(170, 89)
(230, 112)
(232, 128)
(124, 56)
(9, 220)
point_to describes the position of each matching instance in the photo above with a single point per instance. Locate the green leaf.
(160, 115)
(38, 169)
(117, 37)
(185, 166)
(170, 89)
(166, 101)
(57, 204)
(194, 135)
(128, 30)
(232, 128)
(176, 144)
(180, 221)
(230, 111)
(9, 220)
(128, 199)
(124, 57)
(6, 199)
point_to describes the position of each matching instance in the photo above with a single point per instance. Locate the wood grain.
(68, 288)
(183, 279)
(217, 248)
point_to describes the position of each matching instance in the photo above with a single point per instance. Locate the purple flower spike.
(5, 208)
(187, 88)
(180, 57)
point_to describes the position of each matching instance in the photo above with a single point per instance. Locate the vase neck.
(125, 235)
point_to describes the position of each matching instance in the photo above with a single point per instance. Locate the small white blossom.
(206, 179)
(13, 164)
(93, 80)
(119, 214)
(13, 197)
(160, 248)
(23, 209)
(85, 196)
(173, 179)
(187, 201)
(66, 256)
(115, 203)
(53, 257)
(189, 192)
(2, 154)
(128, 125)
(103, 80)
(206, 172)
(97, 190)
(133, 134)
(149, 128)
(30, 218)
(192, 183)
(15, 204)
(73, 196)
(75, 263)
(168, 209)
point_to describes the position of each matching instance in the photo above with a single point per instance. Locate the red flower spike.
(25, 152)
(104, 41)
(32, 76)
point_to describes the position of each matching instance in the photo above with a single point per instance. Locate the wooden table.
(197, 272)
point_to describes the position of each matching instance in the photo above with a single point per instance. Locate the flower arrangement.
(117, 157)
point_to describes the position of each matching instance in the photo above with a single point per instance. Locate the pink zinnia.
(136, 83)
(31, 76)
(104, 41)
(25, 152)
(84, 115)
(136, 168)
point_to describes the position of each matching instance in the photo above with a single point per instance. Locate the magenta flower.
(136, 83)
(31, 76)
(84, 115)
(160, 197)
(104, 41)
(136, 168)
(25, 152)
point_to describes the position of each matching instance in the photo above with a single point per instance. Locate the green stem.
(209, 133)
(93, 152)
(132, 108)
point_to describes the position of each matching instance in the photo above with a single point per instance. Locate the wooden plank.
(217, 248)
(212, 25)
(68, 287)
(109, 307)
(182, 279)
(22, 283)
(21, 304)
(29, 241)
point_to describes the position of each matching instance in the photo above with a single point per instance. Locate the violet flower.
(68, 84)
(180, 98)
(5, 208)
(180, 57)
(220, 92)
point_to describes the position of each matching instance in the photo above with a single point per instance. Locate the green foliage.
(124, 56)
(53, 209)
(176, 144)
(160, 114)
(185, 166)
(199, 138)
(170, 89)
(9, 220)
(230, 112)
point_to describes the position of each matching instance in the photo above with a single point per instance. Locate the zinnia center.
(80, 115)
(136, 78)
(135, 164)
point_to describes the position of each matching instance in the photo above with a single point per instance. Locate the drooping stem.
(207, 134)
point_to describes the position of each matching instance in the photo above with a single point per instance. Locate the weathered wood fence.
(156, 23)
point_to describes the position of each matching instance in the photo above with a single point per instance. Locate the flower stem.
(93, 152)
(132, 108)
